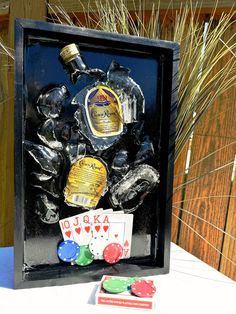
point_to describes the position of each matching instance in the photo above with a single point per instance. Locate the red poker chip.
(112, 253)
(143, 288)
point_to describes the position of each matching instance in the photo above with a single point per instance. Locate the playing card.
(111, 228)
(65, 225)
(78, 227)
(82, 226)
(121, 226)
(100, 229)
(117, 232)
(81, 230)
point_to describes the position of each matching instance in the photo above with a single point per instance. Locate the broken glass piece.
(66, 132)
(48, 159)
(40, 176)
(46, 133)
(45, 183)
(131, 190)
(47, 211)
(50, 103)
(137, 131)
(130, 93)
(120, 162)
(75, 151)
(145, 152)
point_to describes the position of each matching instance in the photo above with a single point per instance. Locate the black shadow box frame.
(154, 65)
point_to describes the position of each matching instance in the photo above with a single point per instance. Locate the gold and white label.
(86, 182)
(104, 112)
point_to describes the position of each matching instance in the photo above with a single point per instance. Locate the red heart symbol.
(97, 228)
(116, 235)
(105, 228)
(126, 252)
(126, 243)
(87, 229)
(78, 230)
(68, 233)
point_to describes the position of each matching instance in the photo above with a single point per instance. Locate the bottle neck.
(76, 67)
(76, 64)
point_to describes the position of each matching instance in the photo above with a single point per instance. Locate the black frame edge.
(21, 27)
(18, 160)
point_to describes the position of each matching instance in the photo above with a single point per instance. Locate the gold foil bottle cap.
(69, 52)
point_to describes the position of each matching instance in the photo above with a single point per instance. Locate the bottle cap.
(69, 52)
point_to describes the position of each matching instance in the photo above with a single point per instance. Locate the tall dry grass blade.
(206, 157)
(205, 221)
(204, 197)
(6, 50)
(180, 186)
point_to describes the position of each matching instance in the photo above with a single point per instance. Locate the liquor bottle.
(99, 113)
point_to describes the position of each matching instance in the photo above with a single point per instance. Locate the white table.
(191, 287)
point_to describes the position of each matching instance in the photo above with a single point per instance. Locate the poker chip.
(85, 257)
(112, 253)
(115, 285)
(143, 288)
(96, 246)
(68, 251)
(131, 280)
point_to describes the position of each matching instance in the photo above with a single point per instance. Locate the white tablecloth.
(191, 287)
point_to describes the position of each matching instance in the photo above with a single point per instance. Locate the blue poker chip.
(68, 251)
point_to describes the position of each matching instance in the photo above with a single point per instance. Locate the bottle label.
(86, 182)
(104, 112)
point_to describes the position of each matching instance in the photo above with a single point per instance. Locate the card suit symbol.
(97, 228)
(126, 243)
(68, 233)
(116, 235)
(126, 252)
(78, 230)
(87, 229)
(105, 228)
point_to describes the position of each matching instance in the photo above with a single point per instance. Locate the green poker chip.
(131, 280)
(85, 257)
(115, 285)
